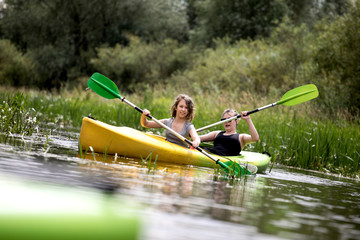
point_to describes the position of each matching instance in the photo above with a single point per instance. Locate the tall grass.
(14, 118)
(302, 142)
(295, 136)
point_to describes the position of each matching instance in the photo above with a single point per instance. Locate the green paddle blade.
(299, 95)
(103, 86)
(234, 169)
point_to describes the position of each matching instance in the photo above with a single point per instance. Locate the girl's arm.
(195, 137)
(246, 138)
(209, 137)
(147, 123)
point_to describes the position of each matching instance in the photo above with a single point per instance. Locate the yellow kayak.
(129, 142)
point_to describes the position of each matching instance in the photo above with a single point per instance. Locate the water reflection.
(182, 201)
(178, 189)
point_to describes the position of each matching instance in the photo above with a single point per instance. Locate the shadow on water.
(182, 201)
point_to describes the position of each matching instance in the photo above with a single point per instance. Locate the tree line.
(54, 43)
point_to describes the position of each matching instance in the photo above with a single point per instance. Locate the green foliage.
(142, 63)
(157, 20)
(337, 58)
(330, 146)
(224, 68)
(14, 118)
(51, 64)
(260, 66)
(296, 44)
(61, 35)
(309, 12)
(62, 42)
(15, 68)
(235, 19)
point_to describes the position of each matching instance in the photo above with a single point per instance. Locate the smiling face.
(185, 106)
(182, 109)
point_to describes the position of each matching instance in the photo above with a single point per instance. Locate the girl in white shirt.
(182, 112)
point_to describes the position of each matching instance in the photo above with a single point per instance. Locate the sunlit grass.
(298, 136)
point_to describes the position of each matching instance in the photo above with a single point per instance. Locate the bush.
(142, 63)
(295, 44)
(15, 68)
(260, 66)
(337, 59)
(51, 63)
(235, 19)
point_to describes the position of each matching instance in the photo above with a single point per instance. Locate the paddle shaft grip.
(235, 117)
(258, 109)
(139, 109)
(133, 106)
(253, 111)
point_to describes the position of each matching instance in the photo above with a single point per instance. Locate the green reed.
(312, 144)
(14, 118)
(296, 136)
(147, 161)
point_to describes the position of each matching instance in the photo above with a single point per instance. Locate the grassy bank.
(295, 136)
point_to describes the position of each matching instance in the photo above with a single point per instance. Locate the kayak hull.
(129, 142)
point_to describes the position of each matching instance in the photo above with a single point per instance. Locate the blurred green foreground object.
(32, 210)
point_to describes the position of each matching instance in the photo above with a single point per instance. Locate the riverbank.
(297, 136)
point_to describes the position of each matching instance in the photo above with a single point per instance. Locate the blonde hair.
(189, 103)
(231, 111)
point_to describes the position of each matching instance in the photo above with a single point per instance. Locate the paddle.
(108, 89)
(295, 96)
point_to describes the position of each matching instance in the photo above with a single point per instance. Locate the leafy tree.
(236, 19)
(191, 12)
(160, 20)
(61, 36)
(142, 64)
(16, 69)
(337, 59)
(310, 11)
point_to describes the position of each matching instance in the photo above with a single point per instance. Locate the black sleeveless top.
(226, 145)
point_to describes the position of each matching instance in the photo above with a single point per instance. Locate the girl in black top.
(229, 142)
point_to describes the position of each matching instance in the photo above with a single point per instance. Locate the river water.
(187, 202)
